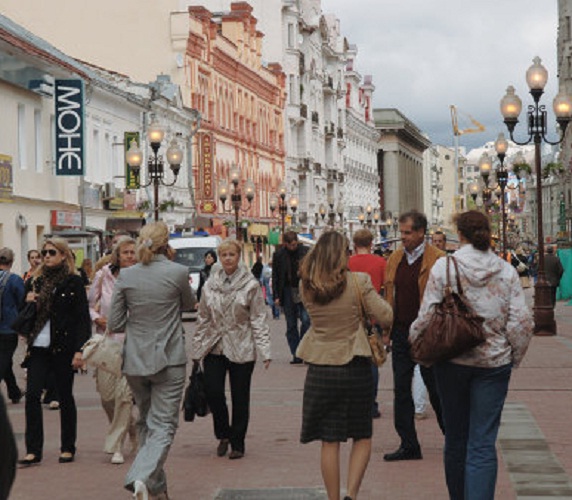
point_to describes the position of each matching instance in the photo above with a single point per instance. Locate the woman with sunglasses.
(61, 328)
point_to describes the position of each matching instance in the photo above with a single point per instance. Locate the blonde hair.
(62, 246)
(229, 245)
(324, 270)
(121, 242)
(153, 240)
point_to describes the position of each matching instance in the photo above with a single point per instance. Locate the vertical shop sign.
(69, 127)
(207, 159)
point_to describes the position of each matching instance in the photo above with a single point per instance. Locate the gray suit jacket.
(146, 305)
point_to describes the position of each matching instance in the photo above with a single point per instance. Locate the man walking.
(11, 300)
(406, 275)
(553, 270)
(286, 292)
(363, 261)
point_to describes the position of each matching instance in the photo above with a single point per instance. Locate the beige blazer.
(337, 333)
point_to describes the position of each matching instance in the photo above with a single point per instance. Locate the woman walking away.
(232, 324)
(61, 328)
(146, 305)
(116, 397)
(338, 390)
(473, 386)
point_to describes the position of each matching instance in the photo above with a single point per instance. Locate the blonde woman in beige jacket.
(339, 383)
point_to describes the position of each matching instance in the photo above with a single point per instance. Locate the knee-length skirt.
(338, 402)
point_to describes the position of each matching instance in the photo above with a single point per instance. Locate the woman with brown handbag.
(473, 386)
(338, 399)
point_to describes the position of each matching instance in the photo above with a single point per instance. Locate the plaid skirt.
(337, 402)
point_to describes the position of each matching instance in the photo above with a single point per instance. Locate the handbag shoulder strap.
(362, 309)
(459, 287)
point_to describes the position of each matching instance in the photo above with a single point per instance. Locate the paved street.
(535, 443)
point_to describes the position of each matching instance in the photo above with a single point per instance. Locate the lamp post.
(236, 197)
(279, 202)
(501, 146)
(155, 163)
(510, 106)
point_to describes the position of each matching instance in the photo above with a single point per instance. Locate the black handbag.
(24, 322)
(453, 329)
(195, 400)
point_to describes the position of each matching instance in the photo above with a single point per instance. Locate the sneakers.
(54, 405)
(140, 491)
(117, 458)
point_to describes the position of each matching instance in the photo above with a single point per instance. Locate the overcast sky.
(427, 54)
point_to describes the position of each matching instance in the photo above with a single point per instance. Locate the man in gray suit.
(146, 305)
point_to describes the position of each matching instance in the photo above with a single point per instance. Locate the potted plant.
(552, 168)
(521, 169)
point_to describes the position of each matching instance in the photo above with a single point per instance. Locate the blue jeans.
(293, 312)
(472, 400)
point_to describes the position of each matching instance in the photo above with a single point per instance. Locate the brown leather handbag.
(454, 327)
(378, 352)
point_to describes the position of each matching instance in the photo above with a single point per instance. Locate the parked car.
(190, 252)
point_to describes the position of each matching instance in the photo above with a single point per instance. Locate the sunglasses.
(50, 251)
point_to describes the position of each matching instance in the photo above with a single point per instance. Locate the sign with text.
(61, 218)
(69, 127)
(131, 181)
(6, 183)
(206, 172)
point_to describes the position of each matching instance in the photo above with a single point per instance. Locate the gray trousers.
(158, 398)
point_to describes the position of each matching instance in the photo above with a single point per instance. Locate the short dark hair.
(418, 220)
(441, 233)
(290, 236)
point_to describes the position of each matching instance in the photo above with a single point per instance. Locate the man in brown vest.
(406, 276)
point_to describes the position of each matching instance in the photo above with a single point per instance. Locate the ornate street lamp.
(510, 106)
(279, 202)
(155, 163)
(236, 196)
(501, 147)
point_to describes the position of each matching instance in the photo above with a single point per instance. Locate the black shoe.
(234, 454)
(296, 361)
(30, 459)
(66, 457)
(222, 448)
(376, 414)
(403, 454)
(16, 399)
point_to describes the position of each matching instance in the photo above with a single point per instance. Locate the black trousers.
(240, 375)
(8, 345)
(403, 406)
(41, 361)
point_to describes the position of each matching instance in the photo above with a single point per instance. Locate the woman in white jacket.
(232, 325)
(473, 386)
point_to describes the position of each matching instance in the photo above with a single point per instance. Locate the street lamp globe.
(273, 203)
(174, 156)
(501, 145)
(223, 191)
(322, 211)
(562, 105)
(510, 104)
(155, 133)
(249, 190)
(536, 75)
(293, 204)
(235, 175)
(485, 165)
(134, 157)
(282, 191)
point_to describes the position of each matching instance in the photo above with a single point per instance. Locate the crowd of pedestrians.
(136, 297)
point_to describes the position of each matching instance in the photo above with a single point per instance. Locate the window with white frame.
(22, 156)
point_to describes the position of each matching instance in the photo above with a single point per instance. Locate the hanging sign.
(69, 122)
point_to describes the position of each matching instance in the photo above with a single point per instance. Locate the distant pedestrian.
(553, 270)
(232, 325)
(267, 285)
(61, 328)
(257, 268)
(116, 396)
(34, 259)
(363, 261)
(337, 403)
(210, 259)
(439, 240)
(146, 304)
(285, 287)
(473, 386)
(11, 301)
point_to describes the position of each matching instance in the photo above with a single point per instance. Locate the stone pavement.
(535, 445)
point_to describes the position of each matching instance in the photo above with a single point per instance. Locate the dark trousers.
(553, 295)
(403, 406)
(240, 375)
(473, 399)
(8, 345)
(294, 311)
(41, 361)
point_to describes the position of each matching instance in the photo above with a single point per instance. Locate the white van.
(190, 251)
